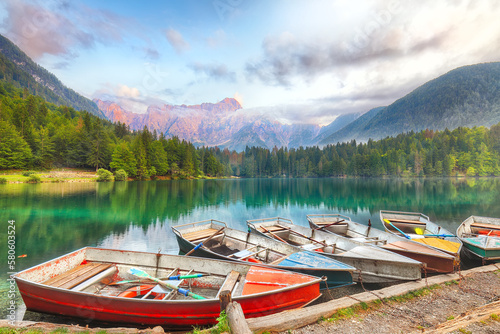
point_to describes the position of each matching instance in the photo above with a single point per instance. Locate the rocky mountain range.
(223, 124)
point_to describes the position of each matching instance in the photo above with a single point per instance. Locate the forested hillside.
(463, 151)
(22, 72)
(465, 97)
(37, 134)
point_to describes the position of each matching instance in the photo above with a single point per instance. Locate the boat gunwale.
(346, 267)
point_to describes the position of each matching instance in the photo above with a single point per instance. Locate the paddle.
(404, 234)
(419, 231)
(325, 226)
(185, 292)
(201, 243)
(303, 235)
(274, 235)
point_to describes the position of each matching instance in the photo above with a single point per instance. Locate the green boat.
(481, 238)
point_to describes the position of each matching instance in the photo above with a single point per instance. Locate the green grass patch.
(464, 331)
(222, 324)
(414, 294)
(495, 317)
(452, 282)
(451, 317)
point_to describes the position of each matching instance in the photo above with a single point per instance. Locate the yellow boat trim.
(448, 246)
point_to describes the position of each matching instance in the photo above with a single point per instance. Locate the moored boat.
(418, 227)
(481, 238)
(117, 286)
(213, 239)
(436, 261)
(373, 264)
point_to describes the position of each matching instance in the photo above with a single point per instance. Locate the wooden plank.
(72, 272)
(197, 235)
(487, 226)
(272, 228)
(230, 282)
(394, 220)
(476, 315)
(84, 276)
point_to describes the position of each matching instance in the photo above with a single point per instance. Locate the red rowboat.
(87, 283)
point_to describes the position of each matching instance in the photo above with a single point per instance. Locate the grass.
(50, 176)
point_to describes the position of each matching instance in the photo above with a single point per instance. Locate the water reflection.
(53, 219)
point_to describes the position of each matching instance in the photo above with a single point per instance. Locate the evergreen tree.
(14, 151)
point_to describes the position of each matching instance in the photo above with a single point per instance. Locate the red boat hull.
(265, 291)
(136, 312)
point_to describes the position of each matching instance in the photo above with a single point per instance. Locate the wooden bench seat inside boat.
(198, 235)
(230, 282)
(77, 275)
(272, 228)
(406, 221)
(486, 226)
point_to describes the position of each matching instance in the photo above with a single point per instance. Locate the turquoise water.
(52, 219)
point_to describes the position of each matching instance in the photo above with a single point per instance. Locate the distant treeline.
(464, 151)
(40, 135)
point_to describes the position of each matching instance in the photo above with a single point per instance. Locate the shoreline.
(62, 175)
(450, 301)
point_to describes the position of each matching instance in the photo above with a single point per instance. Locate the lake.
(52, 219)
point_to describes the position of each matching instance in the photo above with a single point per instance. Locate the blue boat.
(213, 239)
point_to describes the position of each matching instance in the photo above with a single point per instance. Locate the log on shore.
(478, 314)
(236, 319)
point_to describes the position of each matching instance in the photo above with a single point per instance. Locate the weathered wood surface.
(236, 319)
(302, 317)
(478, 314)
(197, 235)
(224, 299)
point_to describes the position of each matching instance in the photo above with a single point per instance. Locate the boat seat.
(484, 225)
(406, 221)
(77, 275)
(198, 235)
(230, 282)
(272, 228)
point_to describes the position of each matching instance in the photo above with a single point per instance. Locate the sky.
(299, 61)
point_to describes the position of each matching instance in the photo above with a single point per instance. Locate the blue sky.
(299, 61)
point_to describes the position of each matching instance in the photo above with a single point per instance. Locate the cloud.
(125, 91)
(214, 71)
(177, 41)
(151, 53)
(60, 28)
(218, 38)
(387, 34)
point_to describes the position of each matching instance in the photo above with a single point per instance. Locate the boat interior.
(108, 279)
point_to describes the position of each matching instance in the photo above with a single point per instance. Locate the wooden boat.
(418, 227)
(436, 261)
(373, 264)
(481, 238)
(235, 245)
(83, 284)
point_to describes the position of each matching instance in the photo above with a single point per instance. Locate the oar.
(404, 234)
(419, 231)
(201, 243)
(274, 235)
(303, 235)
(185, 292)
(334, 223)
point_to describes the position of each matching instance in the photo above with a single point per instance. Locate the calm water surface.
(53, 219)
